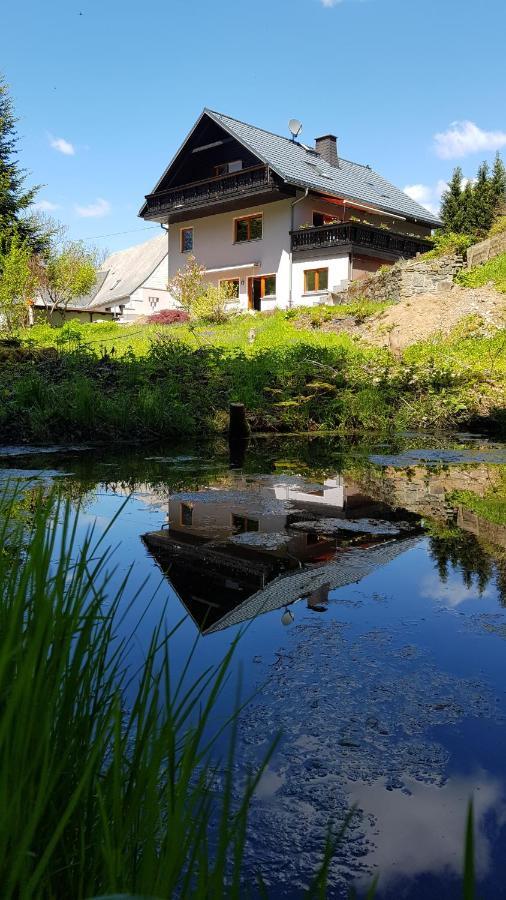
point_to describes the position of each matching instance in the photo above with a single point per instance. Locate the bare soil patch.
(417, 319)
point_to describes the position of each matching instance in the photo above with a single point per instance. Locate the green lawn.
(246, 333)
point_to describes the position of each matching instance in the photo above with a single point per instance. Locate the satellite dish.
(295, 127)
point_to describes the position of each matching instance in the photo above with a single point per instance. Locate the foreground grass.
(106, 381)
(494, 270)
(99, 796)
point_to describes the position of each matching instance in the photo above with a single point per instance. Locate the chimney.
(326, 146)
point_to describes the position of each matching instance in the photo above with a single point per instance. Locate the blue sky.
(106, 91)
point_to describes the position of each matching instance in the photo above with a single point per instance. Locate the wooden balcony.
(358, 237)
(210, 194)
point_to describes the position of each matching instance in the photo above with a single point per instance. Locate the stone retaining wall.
(485, 250)
(406, 279)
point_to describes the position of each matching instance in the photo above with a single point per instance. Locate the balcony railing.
(211, 190)
(366, 236)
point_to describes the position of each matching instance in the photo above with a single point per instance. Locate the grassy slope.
(108, 381)
(494, 270)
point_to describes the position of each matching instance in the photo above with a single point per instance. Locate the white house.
(286, 224)
(135, 282)
(130, 283)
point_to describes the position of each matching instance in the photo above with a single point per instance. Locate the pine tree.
(452, 210)
(15, 197)
(481, 209)
(498, 185)
(466, 221)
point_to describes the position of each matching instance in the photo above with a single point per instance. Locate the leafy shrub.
(446, 242)
(214, 303)
(169, 317)
(499, 226)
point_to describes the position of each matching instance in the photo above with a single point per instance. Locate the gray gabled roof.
(84, 301)
(302, 168)
(348, 568)
(126, 270)
(298, 166)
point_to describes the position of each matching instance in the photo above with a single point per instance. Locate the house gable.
(208, 145)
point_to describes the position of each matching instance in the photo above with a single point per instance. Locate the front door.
(255, 293)
(261, 286)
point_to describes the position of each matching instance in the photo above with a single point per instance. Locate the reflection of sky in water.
(387, 698)
(453, 591)
(422, 831)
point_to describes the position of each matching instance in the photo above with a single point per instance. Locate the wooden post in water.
(238, 435)
(239, 429)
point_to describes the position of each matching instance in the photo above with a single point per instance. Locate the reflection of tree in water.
(501, 580)
(453, 548)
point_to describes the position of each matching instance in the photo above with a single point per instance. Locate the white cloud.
(94, 210)
(45, 206)
(464, 138)
(62, 145)
(330, 3)
(428, 196)
(419, 192)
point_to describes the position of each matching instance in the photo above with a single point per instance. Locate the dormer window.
(228, 167)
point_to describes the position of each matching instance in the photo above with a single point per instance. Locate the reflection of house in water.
(254, 545)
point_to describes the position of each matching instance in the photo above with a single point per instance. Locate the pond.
(372, 602)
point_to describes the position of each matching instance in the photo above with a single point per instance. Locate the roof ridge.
(282, 137)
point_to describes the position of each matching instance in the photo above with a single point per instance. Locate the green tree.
(70, 272)
(15, 198)
(187, 286)
(498, 185)
(480, 208)
(453, 213)
(18, 284)
(467, 213)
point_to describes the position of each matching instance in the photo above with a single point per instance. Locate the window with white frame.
(153, 302)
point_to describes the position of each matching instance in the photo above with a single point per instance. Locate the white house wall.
(214, 247)
(151, 296)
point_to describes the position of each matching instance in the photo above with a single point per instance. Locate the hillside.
(413, 320)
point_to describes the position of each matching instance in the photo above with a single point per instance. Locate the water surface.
(373, 606)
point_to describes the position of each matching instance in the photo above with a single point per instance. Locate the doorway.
(260, 286)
